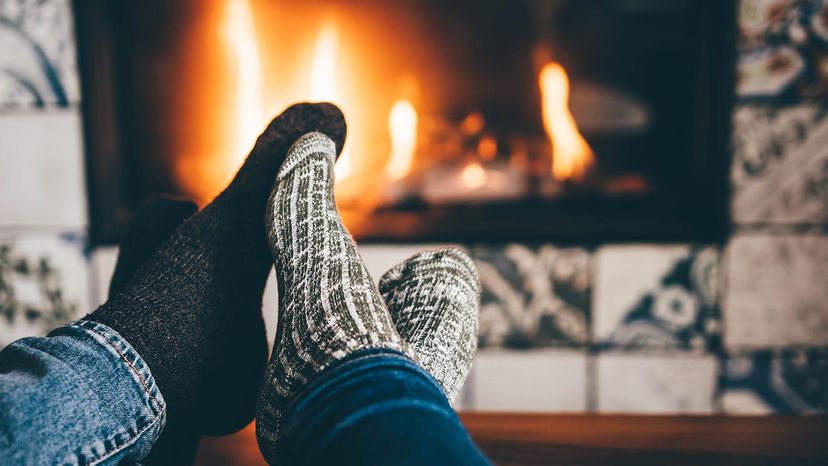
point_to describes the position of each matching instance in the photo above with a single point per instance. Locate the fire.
(202, 174)
(248, 116)
(402, 126)
(323, 83)
(473, 175)
(571, 155)
(323, 70)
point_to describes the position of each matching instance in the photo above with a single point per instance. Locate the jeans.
(83, 395)
(376, 408)
(80, 396)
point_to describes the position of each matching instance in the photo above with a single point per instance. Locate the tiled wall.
(43, 266)
(622, 328)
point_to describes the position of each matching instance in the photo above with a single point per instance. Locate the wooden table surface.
(528, 439)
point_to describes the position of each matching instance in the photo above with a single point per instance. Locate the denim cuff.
(131, 407)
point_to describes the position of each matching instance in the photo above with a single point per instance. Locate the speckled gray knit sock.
(434, 298)
(329, 306)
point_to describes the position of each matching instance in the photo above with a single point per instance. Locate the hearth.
(540, 120)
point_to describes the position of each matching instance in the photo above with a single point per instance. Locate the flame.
(248, 115)
(323, 80)
(571, 153)
(323, 70)
(473, 176)
(402, 125)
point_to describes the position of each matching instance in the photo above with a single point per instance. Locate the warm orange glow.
(241, 40)
(473, 176)
(200, 175)
(402, 127)
(323, 83)
(571, 155)
(323, 71)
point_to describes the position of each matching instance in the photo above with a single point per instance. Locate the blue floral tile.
(37, 54)
(788, 381)
(532, 296)
(656, 297)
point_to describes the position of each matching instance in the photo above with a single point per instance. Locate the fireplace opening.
(550, 120)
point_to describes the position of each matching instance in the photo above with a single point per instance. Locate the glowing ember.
(402, 126)
(571, 155)
(473, 176)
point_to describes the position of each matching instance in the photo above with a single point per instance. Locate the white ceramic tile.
(656, 296)
(41, 170)
(102, 262)
(621, 275)
(777, 293)
(45, 282)
(665, 384)
(37, 54)
(538, 380)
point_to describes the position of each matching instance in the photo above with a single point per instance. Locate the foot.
(193, 309)
(329, 306)
(434, 298)
(151, 226)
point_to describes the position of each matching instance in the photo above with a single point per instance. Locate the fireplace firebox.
(575, 121)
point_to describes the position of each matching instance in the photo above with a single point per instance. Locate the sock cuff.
(310, 143)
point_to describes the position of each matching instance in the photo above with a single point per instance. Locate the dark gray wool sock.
(153, 223)
(434, 299)
(192, 310)
(329, 306)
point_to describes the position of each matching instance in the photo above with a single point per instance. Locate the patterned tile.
(781, 45)
(43, 283)
(42, 179)
(656, 297)
(532, 296)
(37, 54)
(537, 380)
(663, 384)
(780, 165)
(777, 292)
(792, 381)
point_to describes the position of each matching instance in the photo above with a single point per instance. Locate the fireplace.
(575, 121)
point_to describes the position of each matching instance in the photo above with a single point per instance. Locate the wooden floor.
(511, 439)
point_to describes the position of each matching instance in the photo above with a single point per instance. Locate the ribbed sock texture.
(434, 299)
(153, 223)
(192, 310)
(329, 306)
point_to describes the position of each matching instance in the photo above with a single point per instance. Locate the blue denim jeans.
(83, 395)
(80, 396)
(376, 407)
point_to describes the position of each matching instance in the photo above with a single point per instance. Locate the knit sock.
(153, 223)
(434, 298)
(192, 310)
(329, 306)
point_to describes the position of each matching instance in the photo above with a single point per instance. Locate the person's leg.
(82, 395)
(193, 309)
(176, 342)
(150, 227)
(434, 299)
(376, 408)
(340, 369)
